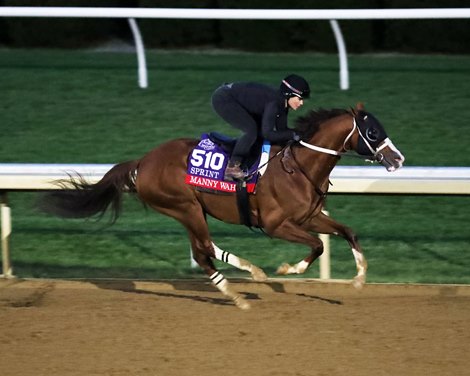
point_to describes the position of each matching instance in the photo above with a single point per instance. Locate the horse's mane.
(307, 125)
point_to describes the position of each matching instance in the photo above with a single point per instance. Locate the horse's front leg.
(292, 232)
(256, 273)
(326, 225)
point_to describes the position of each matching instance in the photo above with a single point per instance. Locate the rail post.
(325, 265)
(342, 55)
(140, 50)
(5, 214)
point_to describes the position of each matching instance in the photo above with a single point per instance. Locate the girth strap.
(243, 204)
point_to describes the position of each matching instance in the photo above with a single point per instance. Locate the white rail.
(345, 180)
(238, 14)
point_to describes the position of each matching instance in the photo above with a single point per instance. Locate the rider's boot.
(233, 171)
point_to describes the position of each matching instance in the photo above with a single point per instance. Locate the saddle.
(207, 163)
(208, 160)
(228, 144)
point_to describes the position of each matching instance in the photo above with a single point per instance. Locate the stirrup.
(234, 173)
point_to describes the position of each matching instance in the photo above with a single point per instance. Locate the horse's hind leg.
(325, 225)
(203, 256)
(203, 251)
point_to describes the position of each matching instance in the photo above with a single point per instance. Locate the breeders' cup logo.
(206, 144)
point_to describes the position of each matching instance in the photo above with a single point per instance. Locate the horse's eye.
(372, 134)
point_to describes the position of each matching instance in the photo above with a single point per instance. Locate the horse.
(287, 203)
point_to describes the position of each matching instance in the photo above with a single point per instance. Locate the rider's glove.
(296, 137)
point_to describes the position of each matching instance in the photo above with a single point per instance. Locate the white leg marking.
(361, 265)
(239, 263)
(298, 268)
(223, 285)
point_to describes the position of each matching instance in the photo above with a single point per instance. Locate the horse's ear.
(360, 106)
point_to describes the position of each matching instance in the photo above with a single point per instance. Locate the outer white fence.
(345, 180)
(238, 14)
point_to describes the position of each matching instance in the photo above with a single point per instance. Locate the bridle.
(375, 153)
(375, 156)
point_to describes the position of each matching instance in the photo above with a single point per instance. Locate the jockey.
(258, 111)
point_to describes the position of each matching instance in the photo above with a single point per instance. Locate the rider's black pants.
(234, 114)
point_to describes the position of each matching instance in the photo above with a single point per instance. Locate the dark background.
(408, 36)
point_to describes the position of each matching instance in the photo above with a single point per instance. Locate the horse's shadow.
(319, 298)
(131, 287)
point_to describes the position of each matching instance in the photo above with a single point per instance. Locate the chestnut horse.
(287, 203)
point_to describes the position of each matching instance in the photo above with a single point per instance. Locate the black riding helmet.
(294, 85)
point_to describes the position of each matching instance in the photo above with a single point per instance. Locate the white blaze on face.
(392, 147)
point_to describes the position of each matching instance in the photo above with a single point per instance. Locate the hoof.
(242, 303)
(359, 281)
(258, 275)
(283, 269)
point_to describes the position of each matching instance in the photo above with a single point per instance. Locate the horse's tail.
(81, 199)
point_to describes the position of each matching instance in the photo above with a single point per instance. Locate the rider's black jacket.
(267, 106)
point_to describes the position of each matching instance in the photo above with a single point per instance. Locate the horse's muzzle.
(395, 165)
(389, 156)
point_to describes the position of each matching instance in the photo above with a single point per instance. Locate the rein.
(266, 163)
(347, 154)
(330, 151)
(322, 195)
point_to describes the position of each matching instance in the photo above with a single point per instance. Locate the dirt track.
(187, 328)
